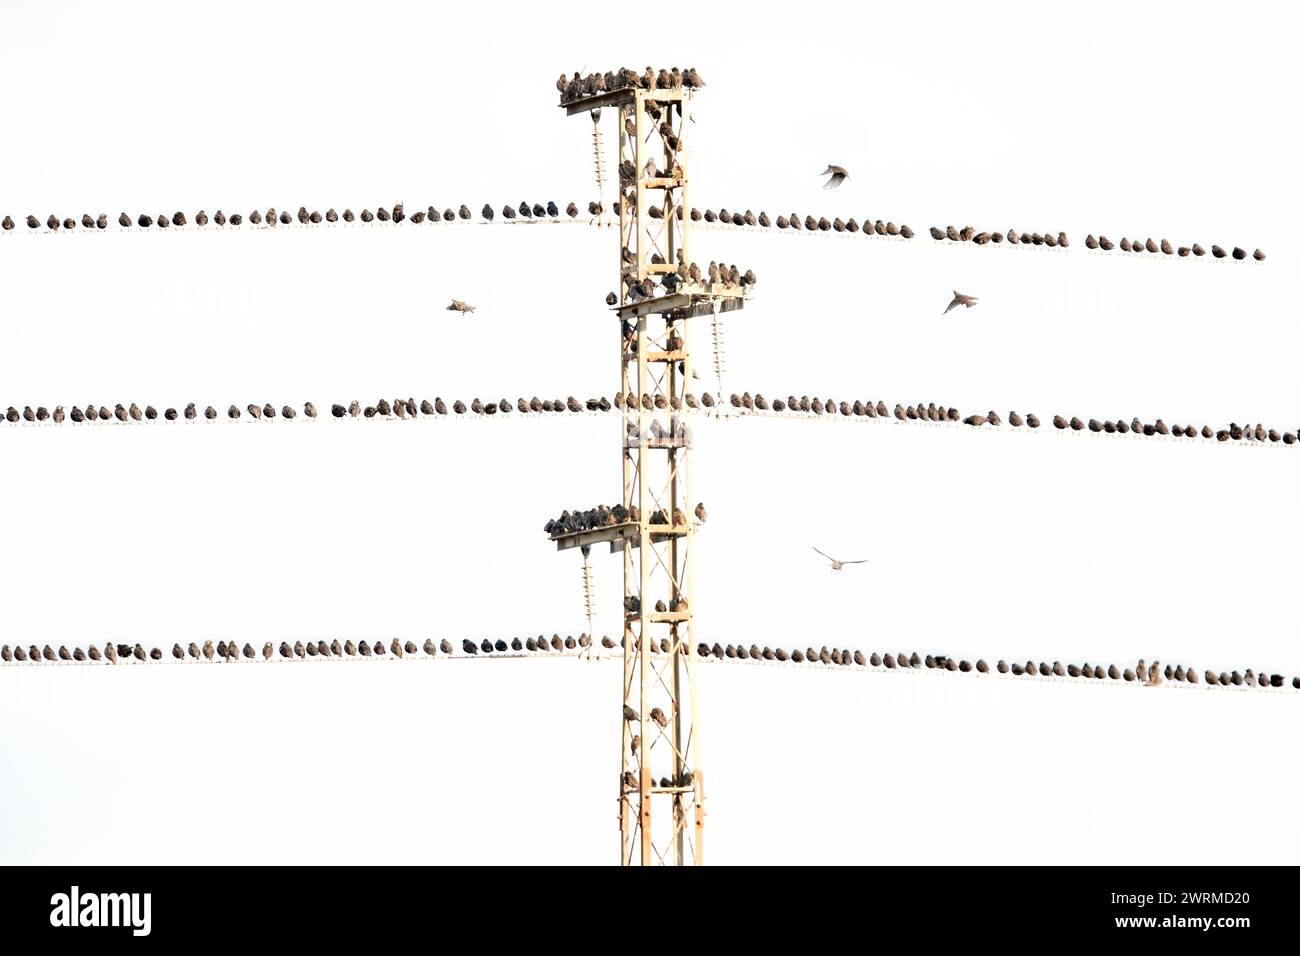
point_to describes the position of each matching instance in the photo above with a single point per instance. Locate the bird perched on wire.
(959, 299)
(459, 306)
(837, 175)
(837, 565)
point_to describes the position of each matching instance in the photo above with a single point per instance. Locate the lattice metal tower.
(661, 781)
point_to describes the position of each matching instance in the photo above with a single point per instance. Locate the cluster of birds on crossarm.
(580, 85)
(580, 520)
(718, 276)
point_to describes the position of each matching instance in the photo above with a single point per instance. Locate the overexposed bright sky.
(1163, 120)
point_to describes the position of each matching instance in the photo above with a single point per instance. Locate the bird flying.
(459, 306)
(959, 299)
(837, 175)
(835, 564)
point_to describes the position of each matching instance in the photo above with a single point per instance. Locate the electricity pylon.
(661, 780)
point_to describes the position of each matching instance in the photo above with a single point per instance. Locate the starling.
(837, 176)
(960, 299)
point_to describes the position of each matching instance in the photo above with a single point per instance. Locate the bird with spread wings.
(837, 175)
(837, 565)
(960, 299)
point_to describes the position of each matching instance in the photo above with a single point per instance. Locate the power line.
(707, 406)
(592, 213)
(583, 649)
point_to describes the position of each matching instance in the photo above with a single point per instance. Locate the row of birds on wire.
(551, 211)
(1142, 674)
(1062, 241)
(582, 85)
(398, 408)
(838, 174)
(232, 652)
(272, 218)
(525, 210)
(743, 403)
(937, 413)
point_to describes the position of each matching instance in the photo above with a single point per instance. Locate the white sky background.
(1169, 120)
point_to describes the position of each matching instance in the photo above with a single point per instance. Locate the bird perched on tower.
(459, 306)
(837, 175)
(959, 299)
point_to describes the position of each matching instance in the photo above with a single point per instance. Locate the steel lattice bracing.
(661, 780)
